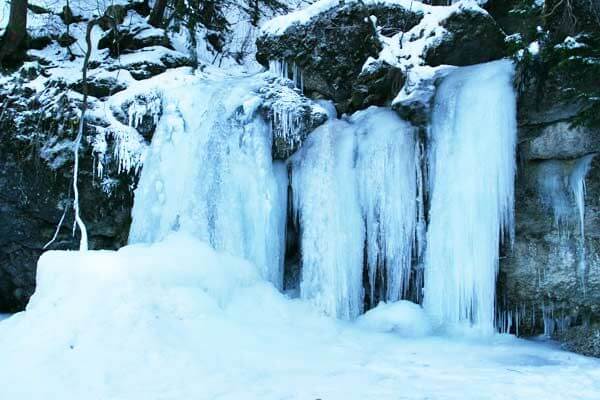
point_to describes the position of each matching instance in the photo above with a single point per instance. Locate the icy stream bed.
(177, 320)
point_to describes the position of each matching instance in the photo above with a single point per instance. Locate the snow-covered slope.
(177, 320)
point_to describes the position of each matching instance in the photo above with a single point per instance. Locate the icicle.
(287, 123)
(209, 172)
(286, 70)
(548, 318)
(332, 232)
(562, 189)
(387, 183)
(355, 191)
(577, 184)
(472, 167)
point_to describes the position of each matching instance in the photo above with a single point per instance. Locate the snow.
(176, 320)
(403, 318)
(571, 43)
(279, 24)
(534, 48)
(471, 169)
(406, 50)
(354, 188)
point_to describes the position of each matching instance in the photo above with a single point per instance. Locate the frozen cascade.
(209, 172)
(472, 167)
(355, 200)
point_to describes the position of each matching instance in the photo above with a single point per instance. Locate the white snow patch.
(403, 318)
(278, 25)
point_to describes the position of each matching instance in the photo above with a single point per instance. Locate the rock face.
(551, 278)
(471, 38)
(36, 163)
(332, 49)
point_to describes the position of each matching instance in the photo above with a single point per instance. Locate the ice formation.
(355, 200)
(327, 207)
(209, 172)
(287, 70)
(562, 189)
(577, 184)
(472, 167)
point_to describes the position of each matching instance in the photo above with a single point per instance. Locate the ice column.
(472, 168)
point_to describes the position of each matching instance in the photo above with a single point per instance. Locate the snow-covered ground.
(176, 320)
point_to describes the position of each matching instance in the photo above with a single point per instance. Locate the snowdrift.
(177, 320)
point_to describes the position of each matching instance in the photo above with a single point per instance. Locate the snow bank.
(177, 320)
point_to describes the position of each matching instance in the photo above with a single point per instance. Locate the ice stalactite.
(355, 200)
(287, 70)
(386, 169)
(562, 189)
(209, 172)
(287, 122)
(577, 184)
(332, 234)
(471, 187)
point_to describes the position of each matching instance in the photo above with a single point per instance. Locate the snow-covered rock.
(360, 53)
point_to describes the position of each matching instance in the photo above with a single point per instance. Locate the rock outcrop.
(332, 49)
(359, 54)
(36, 176)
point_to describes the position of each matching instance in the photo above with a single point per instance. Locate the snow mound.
(404, 318)
(65, 280)
(177, 320)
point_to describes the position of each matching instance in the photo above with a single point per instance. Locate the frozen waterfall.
(355, 200)
(356, 207)
(471, 169)
(209, 172)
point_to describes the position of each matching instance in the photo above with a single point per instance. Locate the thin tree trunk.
(13, 41)
(83, 243)
(157, 13)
